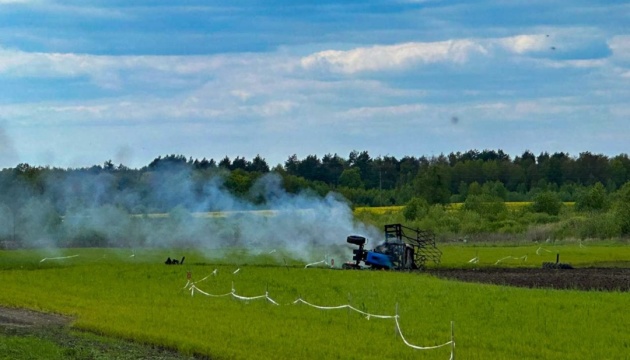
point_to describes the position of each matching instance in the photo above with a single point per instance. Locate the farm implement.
(404, 248)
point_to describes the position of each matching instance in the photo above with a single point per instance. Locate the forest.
(593, 188)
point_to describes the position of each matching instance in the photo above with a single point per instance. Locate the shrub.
(547, 202)
(601, 226)
(593, 199)
(416, 208)
(509, 227)
(490, 207)
(471, 222)
(540, 233)
(621, 209)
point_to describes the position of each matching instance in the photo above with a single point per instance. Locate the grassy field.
(134, 296)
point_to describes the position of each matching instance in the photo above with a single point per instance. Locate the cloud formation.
(307, 79)
(391, 57)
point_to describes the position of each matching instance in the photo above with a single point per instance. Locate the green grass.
(585, 254)
(28, 347)
(139, 298)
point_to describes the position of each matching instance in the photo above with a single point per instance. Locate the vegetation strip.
(141, 299)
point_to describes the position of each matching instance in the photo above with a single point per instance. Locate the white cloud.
(459, 51)
(392, 57)
(385, 111)
(107, 70)
(524, 43)
(577, 64)
(9, 2)
(620, 46)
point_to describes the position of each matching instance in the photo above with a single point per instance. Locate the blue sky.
(83, 82)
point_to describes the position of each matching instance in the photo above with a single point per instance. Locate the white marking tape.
(236, 271)
(198, 281)
(541, 248)
(474, 260)
(419, 347)
(193, 288)
(367, 315)
(234, 295)
(58, 258)
(315, 263)
(524, 258)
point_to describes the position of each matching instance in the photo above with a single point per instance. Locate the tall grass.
(139, 298)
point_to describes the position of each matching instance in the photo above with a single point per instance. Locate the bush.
(509, 227)
(569, 228)
(600, 226)
(440, 221)
(540, 233)
(621, 209)
(593, 199)
(547, 202)
(416, 208)
(490, 207)
(471, 222)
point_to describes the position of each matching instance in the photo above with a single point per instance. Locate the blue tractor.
(404, 248)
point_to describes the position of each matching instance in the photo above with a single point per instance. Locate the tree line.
(362, 179)
(38, 201)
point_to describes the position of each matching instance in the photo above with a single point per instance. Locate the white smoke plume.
(97, 212)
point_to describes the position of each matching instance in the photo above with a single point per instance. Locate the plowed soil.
(598, 279)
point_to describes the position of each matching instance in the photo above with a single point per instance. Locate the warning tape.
(420, 347)
(192, 287)
(58, 258)
(232, 293)
(368, 315)
(325, 261)
(524, 258)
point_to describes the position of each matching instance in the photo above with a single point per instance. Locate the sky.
(84, 82)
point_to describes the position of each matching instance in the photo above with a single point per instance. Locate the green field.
(111, 292)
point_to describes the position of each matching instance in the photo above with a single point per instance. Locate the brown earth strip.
(78, 344)
(599, 279)
(22, 318)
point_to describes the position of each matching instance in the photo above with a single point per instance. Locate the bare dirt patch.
(22, 318)
(78, 344)
(599, 279)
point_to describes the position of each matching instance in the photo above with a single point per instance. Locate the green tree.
(416, 208)
(433, 184)
(621, 208)
(594, 198)
(547, 202)
(489, 207)
(351, 178)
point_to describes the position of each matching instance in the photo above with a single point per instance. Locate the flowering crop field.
(135, 296)
(381, 210)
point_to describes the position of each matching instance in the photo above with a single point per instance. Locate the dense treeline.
(450, 178)
(34, 199)
(363, 180)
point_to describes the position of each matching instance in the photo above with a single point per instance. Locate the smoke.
(174, 207)
(8, 154)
